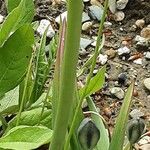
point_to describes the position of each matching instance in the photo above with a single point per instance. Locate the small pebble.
(123, 50)
(147, 55)
(107, 24)
(1, 19)
(84, 43)
(118, 92)
(140, 23)
(141, 42)
(119, 16)
(138, 61)
(96, 2)
(42, 27)
(107, 112)
(125, 43)
(86, 26)
(144, 140)
(96, 12)
(122, 77)
(85, 17)
(62, 16)
(121, 4)
(135, 93)
(110, 53)
(147, 83)
(135, 113)
(145, 32)
(133, 28)
(102, 59)
(85, 1)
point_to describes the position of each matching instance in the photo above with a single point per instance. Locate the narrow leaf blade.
(95, 84)
(119, 131)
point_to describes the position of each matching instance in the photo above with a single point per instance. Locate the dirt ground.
(116, 34)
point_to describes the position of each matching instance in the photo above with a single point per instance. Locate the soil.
(115, 35)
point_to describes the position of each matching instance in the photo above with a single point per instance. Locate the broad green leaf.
(11, 4)
(95, 84)
(26, 138)
(19, 16)
(9, 103)
(31, 118)
(120, 127)
(14, 58)
(104, 136)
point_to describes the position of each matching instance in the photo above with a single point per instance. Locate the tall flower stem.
(68, 74)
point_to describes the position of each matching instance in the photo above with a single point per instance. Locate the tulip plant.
(34, 114)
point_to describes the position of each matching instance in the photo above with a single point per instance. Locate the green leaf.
(9, 103)
(26, 138)
(41, 70)
(19, 16)
(31, 118)
(95, 84)
(120, 127)
(14, 58)
(104, 136)
(57, 71)
(11, 4)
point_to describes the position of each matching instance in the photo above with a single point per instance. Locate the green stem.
(89, 76)
(68, 76)
(46, 97)
(24, 91)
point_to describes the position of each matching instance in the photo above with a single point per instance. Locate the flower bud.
(135, 129)
(88, 134)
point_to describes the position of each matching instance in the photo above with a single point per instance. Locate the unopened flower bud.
(135, 129)
(88, 134)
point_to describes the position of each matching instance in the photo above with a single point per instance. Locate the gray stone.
(96, 12)
(121, 4)
(85, 17)
(84, 43)
(142, 42)
(135, 113)
(118, 92)
(147, 83)
(42, 27)
(123, 50)
(86, 25)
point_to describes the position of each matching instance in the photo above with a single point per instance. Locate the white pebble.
(138, 61)
(123, 50)
(42, 27)
(147, 55)
(103, 59)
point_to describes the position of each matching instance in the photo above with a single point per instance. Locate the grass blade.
(119, 131)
